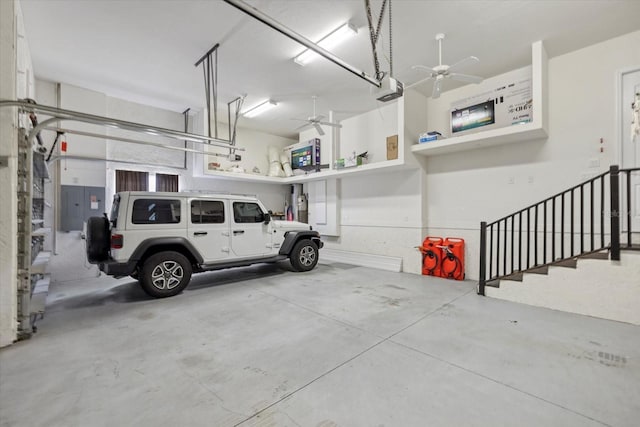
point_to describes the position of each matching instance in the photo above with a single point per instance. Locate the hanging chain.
(374, 34)
(390, 44)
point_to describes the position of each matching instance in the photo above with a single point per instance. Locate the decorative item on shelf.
(635, 118)
(392, 147)
(286, 165)
(275, 168)
(352, 161)
(236, 169)
(429, 136)
(214, 166)
(256, 170)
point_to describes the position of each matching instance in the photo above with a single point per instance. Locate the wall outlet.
(511, 180)
(594, 163)
(531, 180)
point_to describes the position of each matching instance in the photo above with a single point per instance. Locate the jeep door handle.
(200, 233)
(238, 231)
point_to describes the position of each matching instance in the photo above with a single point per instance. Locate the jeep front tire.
(304, 255)
(165, 274)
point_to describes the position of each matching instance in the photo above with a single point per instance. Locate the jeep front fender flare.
(292, 237)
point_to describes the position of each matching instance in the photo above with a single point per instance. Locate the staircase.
(585, 227)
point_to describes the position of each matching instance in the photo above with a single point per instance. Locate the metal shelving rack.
(33, 280)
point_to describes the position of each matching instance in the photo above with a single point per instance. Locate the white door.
(630, 153)
(250, 236)
(209, 228)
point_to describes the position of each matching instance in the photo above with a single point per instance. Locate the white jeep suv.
(162, 238)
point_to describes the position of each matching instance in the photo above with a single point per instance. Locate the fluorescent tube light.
(259, 109)
(331, 40)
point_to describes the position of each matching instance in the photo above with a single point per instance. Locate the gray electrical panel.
(78, 203)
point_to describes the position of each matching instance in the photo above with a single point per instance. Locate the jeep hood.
(290, 225)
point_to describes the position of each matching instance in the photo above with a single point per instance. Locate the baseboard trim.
(380, 262)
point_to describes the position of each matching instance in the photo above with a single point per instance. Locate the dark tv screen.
(475, 116)
(302, 157)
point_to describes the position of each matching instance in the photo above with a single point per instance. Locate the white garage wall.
(468, 187)
(16, 82)
(82, 172)
(381, 215)
(369, 132)
(133, 112)
(378, 214)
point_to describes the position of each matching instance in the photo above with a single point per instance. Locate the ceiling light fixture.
(259, 108)
(331, 40)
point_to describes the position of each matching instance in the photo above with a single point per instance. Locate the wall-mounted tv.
(475, 116)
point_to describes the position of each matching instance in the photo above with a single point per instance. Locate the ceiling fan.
(316, 121)
(443, 71)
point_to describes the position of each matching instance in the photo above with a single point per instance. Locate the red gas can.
(431, 255)
(452, 264)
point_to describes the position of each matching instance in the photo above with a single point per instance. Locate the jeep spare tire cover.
(98, 240)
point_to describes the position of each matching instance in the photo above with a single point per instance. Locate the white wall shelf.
(537, 129)
(244, 177)
(378, 167)
(516, 133)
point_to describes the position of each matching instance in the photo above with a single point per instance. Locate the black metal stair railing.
(630, 180)
(581, 220)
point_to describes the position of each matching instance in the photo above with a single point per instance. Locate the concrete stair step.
(493, 283)
(543, 269)
(595, 255)
(567, 263)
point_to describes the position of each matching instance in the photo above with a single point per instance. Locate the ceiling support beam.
(59, 114)
(267, 20)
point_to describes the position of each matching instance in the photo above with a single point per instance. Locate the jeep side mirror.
(267, 218)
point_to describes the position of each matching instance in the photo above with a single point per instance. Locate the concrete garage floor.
(341, 346)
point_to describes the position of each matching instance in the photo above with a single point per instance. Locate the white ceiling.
(145, 50)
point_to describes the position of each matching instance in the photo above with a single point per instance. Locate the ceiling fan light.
(260, 108)
(331, 40)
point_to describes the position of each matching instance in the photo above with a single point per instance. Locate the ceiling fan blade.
(335, 125)
(465, 78)
(303, 126)
(299, 120)
(437, 88)
(463, 62)
(423, 67)
(317, 118)
(318, 128)
(418, 82)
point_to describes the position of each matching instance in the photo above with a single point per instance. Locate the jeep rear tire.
(304, 255)
(165, 274)
(98, 239)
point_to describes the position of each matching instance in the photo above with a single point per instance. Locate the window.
(207, 212)
(156, 211)
(166, 182)
(115, 207)
(247, 212)
(131, 181)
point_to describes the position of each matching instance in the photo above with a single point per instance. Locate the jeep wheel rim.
(307, 256)
(167, 275)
